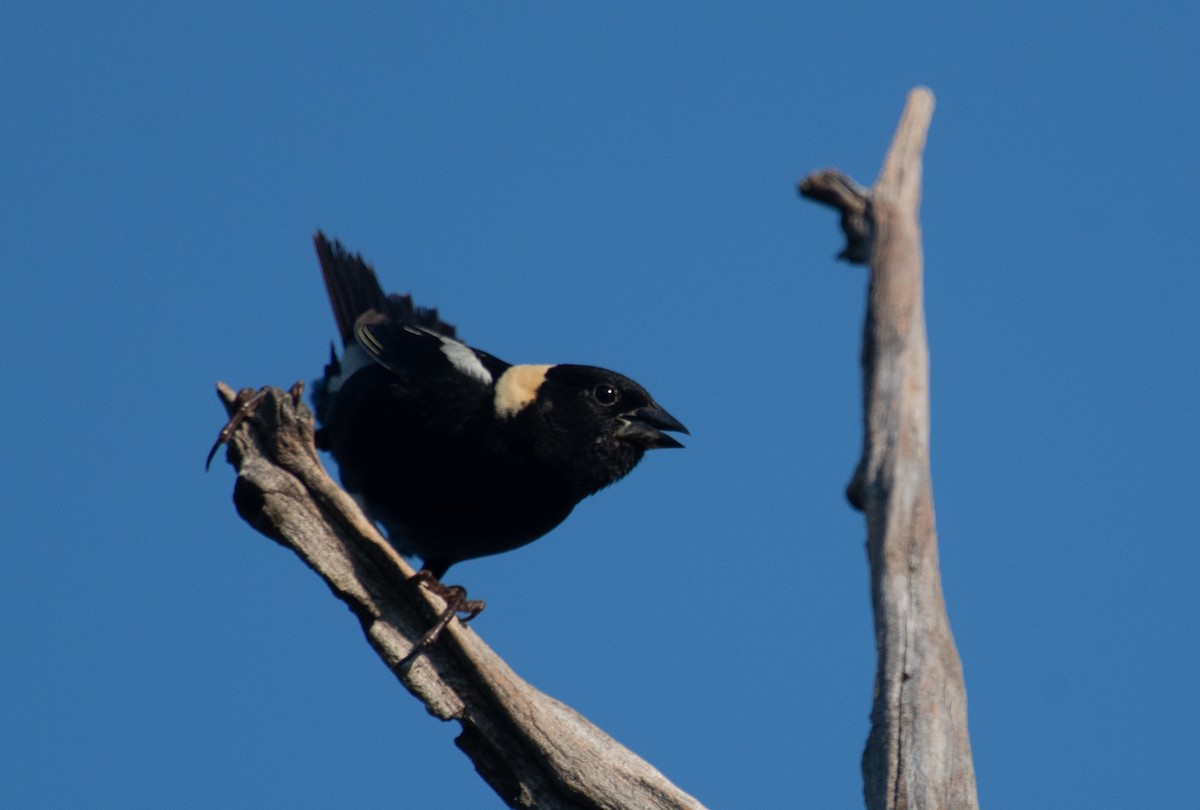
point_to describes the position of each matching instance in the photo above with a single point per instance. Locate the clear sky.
(614, 187)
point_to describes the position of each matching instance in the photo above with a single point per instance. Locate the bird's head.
(592, 423)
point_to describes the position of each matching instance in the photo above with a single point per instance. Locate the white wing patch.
(517, 387)
(464, 359)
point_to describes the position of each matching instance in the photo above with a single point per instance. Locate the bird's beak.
(645, 427)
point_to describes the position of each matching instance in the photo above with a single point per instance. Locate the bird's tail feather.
(354, 289)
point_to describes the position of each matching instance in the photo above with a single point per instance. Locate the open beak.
(645, 427)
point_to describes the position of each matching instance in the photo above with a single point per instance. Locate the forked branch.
(918, 754)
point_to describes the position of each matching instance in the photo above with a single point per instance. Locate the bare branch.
(831, 187)
(533, 750)
(918, 754)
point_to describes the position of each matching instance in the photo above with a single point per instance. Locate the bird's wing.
(417, 353)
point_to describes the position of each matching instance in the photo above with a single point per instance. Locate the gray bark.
(918, 753)
(533, 750)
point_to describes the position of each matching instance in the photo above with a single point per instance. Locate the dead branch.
(533, 750)
(918, 754)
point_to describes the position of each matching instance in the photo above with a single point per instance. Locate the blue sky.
(615, 187)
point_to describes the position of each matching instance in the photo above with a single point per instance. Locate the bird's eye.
(605, 394)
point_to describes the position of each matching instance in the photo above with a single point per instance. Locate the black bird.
(457, 453)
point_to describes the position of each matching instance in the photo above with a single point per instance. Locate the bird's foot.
(457, 603)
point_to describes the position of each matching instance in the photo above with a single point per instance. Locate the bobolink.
(457, 453)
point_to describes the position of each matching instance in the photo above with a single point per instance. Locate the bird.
(456, 453)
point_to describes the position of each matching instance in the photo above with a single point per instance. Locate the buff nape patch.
(517, 387)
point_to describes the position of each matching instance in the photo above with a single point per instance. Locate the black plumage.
(457, 453)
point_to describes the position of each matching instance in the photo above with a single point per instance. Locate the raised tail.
(351, 284)
(354, 289)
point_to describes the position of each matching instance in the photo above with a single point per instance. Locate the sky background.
(613, 187)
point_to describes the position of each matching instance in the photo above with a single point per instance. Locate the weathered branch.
(533, 750)
(918, 754)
